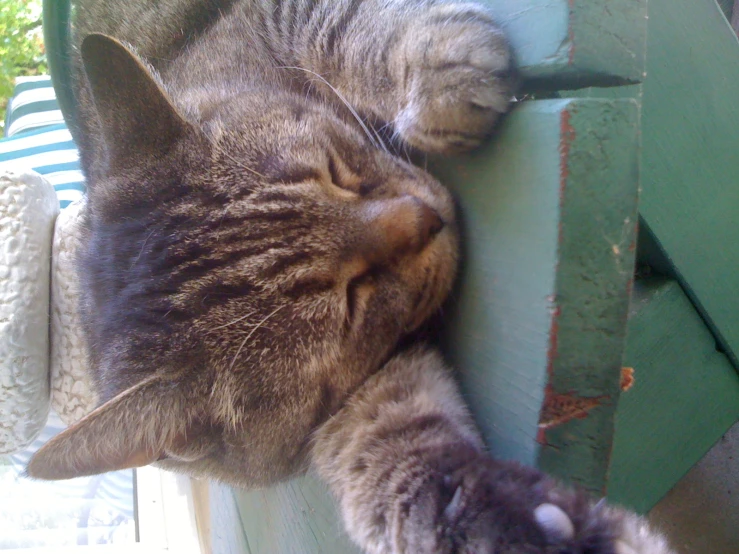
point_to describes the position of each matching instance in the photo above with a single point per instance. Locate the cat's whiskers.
(345, 102)
(142, 249)
(235, 321)
(379, 138)
(220, 223)
(221, 151)
(246, 339)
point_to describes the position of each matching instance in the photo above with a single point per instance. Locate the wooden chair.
(547, 311)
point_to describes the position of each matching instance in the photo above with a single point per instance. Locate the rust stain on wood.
(566, 138)
(561, 408)
(571, 35)
(553, 340)
(627, 378)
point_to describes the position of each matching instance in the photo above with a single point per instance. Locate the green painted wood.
(690, 199)
(727, 6)
(298, 517)
(537, 323)
(576, 43)
(685, 395)
(226, 524)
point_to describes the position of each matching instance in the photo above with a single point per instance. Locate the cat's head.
(244, 270)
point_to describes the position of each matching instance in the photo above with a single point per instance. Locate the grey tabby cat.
(253, 258)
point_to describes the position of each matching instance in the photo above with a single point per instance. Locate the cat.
(255, 252)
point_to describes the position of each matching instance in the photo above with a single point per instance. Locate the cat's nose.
(397, 226)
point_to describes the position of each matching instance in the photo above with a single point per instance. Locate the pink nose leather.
(397, 226)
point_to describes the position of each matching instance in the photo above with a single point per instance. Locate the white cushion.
(72, 393)
(28, 208)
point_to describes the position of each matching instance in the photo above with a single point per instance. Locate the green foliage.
(21, 45)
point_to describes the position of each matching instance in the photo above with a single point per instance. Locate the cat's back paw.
(457, 78)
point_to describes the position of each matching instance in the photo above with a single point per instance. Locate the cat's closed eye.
(358, 290)
(346, 179)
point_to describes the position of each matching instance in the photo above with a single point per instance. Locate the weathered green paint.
(226, 523)
(536, 326)
(685, 395)
(576, 43)
(690, 175)
(295, 517)
(298, 517)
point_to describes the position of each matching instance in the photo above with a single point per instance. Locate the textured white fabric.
(72, 393)
(28, 208)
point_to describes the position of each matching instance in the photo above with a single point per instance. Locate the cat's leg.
(439, 72)
(410, 474)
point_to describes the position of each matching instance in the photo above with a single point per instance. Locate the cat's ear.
(133, 429)
(137, 117)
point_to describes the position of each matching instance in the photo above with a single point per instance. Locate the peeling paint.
(571, 35)
(627, 378)
(553, 339)
(566, 138)
(561, 408)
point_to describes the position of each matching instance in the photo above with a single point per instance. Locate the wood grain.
(685, 396)
(537, 323)
(576, 43)
(690, 199)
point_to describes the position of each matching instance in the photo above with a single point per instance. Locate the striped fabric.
(38, 139)
(33, 105)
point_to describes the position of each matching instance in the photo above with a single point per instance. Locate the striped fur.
(256, 248)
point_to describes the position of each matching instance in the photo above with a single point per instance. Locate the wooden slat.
(295, 517)
(685, 396)
(576, 43)
(690, 135)
(536, 326)
(227, 528)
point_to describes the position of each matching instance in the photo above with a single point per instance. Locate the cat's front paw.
(456, 77)
(489, 507)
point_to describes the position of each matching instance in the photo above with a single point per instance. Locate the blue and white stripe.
(36, 138)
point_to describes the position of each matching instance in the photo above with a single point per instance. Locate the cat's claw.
(630, 533)
(454, 506)
(505, 507)
(555, 523)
